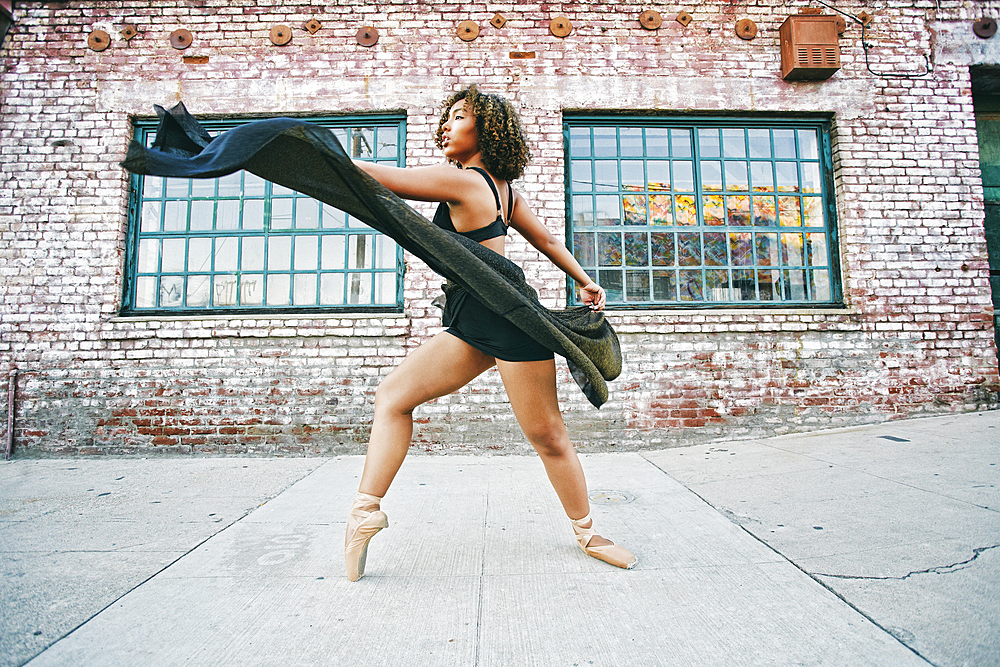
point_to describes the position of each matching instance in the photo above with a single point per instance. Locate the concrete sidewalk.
(868, 546)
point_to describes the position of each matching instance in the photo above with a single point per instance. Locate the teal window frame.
(700, 212)
(240, 244)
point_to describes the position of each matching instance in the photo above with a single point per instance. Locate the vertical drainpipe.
(11, 389)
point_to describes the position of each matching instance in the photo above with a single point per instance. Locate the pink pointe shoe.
(364, 521)
(612, 553)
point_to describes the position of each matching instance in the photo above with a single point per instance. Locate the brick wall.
(914, 336)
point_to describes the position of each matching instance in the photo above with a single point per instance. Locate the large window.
(683, 213)
(239, 243)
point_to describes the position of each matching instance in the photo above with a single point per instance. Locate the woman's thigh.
(440, 366)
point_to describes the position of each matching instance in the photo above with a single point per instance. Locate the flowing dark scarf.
(309, 159)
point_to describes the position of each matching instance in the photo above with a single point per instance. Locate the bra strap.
(496, 195)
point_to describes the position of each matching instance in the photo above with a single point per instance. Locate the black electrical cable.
(865, 45)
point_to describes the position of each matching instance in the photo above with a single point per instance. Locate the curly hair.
(501, 137)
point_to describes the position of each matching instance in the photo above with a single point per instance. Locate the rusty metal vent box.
(809, 47)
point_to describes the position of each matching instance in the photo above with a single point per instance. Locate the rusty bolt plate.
(650, 20)
(746, 29)
(281, 35)
(468, 30)
(367, 36)
(129, 31)
(985, 28)
(560, 26)
(313, 26)
(684, 19)
(98, 40)
(498, 21)
(841, 25)
(865, 18)
(181, 39)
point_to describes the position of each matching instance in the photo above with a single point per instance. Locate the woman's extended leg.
(531, 388)
(440, 366)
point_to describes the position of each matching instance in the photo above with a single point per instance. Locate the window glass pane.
(583, 249)
(253, 185)
(334, 253)
(149, 256)
(199, 254)
(152, 187)
(385, 287)
(203, 188)
(332, 218)
(740, 251)
(385, 252)
(689, 249)
(230, 185)
(685, 211)
(784, 144)
(145, 292)
(227, 253)
(359, 288)
(788, 211)
(636, 249)
(738, 210)
(683, 176)
(633, 176)
(359, 251)
(791, 249)
(606, 175)
(605, 142)
(765, 211)
(760, 143)
(607, 210)
(579, 141)
(660, 212)
(637, 285)
(178, 187)
(712, 210)
(664, 286)
(278, 289)
(631, 141)
(251, 289)
(253, 214)
(611, 281)
(717, 285)
(734, 143)
(252, 257)
(583, 211)
(306, 213)
(769, 285)
(198, 290)
(227, 214)
(281, 213)
(737, 178)
(151, 216)
(306, 253)
(582, 180)
(680, 143)
(171, 292)
(202, 215)
(808, 145)
(175, 216)
(816, 249)
(661, 249)
(795, 285)
(331, 289)
(715, 249)
(711, 175)
(690, 285)
(657, 142)
(820, 285)
(787, 176)
(225, 290)
(279, 255)
(609, 248)
(304, 292)
(812, 212)
(762, 176)
(388, 144)
(635, 209)
(767, 249)
(174, 255)
(658, 175)
(709, 143)
(810, 178)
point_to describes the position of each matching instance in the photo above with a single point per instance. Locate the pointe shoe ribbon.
(615, 554)
(363, 522)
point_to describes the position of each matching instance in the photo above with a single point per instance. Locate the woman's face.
(459, 141)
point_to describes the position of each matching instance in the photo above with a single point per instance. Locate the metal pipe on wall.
(11, 390)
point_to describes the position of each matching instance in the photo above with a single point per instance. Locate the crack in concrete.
(940, 569)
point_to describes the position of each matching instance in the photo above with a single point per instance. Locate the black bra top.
(442, 218)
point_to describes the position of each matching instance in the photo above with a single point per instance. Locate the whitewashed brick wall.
(914, 336)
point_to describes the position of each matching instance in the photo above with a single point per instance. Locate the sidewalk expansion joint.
(941, 569)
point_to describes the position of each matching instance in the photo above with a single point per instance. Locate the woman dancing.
(480, 133)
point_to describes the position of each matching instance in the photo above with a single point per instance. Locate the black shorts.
(493, 334)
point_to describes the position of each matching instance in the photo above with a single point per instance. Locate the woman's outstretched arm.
(531, 228)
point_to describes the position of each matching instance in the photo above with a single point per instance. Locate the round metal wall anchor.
(129, 31)
(181, 39)
(841, 25)
(746, 29)
(498, 21)
(313, 26)
(985, 28)
(650, 20)
(368, 36)
(468, 30)
(560, 26)
(684, 19)
(98, 40)
(281, 35)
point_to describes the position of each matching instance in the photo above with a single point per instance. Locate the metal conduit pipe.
(11, 390)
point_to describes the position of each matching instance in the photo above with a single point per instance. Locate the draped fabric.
(309, 159)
